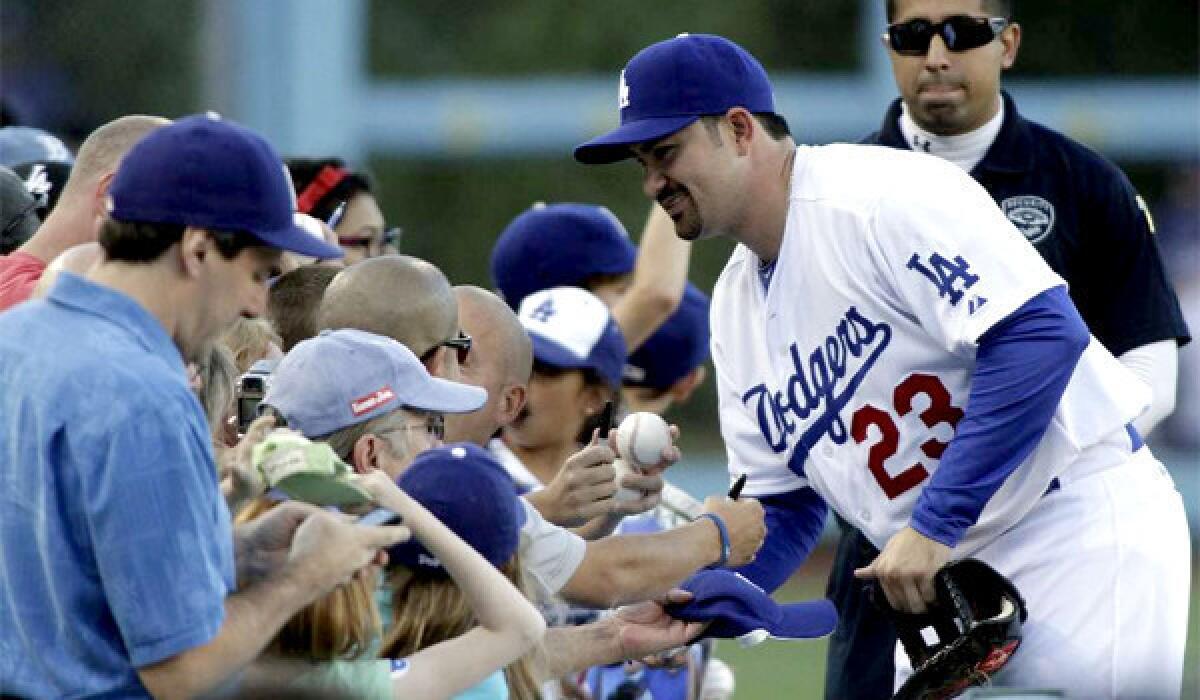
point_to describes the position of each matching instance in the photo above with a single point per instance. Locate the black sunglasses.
(461, 344)
(960, 33)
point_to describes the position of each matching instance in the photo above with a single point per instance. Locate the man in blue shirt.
(1075, 207)
(120, 574)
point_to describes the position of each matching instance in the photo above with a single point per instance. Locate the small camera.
(251, 388)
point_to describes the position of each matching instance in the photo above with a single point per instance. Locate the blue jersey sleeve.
(794, 523)
(1023, 365)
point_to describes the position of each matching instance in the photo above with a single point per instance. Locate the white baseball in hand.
(641, 439)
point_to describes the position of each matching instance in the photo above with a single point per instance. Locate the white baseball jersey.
(849, 373)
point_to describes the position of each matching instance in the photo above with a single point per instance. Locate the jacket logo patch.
(1033, 216)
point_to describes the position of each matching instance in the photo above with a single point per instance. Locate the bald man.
(404, 298)
(500, 361)
(80, 209)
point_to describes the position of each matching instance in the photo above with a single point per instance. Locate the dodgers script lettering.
(822, 382)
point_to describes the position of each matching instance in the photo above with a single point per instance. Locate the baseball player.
(889, 345)
(1079, 211)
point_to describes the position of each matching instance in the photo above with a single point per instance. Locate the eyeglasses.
(461, 343)
(960, 33)
(434, 424)
(389, 241)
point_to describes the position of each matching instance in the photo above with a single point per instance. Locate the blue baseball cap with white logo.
(669, 85)
(346, 377)
(735, 608)
(558, 245)
(572, 329)
(465, 487)
(207, 172)
(679, 346)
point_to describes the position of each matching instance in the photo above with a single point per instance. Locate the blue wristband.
(726, 547)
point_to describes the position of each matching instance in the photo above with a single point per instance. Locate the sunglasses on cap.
(461, 344)
(960, 33)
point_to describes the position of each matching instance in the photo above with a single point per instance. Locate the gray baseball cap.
(346, 377)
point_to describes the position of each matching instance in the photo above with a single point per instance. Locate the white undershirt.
(964, 150)
(1157, 364)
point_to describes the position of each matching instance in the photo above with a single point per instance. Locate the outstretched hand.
(646, 628)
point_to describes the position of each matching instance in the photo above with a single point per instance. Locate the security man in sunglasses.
(1077, 209)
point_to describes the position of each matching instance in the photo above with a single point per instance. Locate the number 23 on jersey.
(940, 410)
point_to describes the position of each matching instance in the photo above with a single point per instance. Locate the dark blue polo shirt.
(1083, 216)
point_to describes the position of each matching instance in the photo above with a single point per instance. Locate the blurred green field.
(796, 670)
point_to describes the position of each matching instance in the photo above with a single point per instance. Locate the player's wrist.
(934, 529)
(726, 545)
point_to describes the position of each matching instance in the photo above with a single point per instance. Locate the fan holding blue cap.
(735, 608)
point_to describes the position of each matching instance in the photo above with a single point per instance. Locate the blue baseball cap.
(346, 377)
(559, 245)
(679, 346)
(23, 144)
(465, 487)
(208, 172)
(572, 329)
(671, 84)
(738, 609)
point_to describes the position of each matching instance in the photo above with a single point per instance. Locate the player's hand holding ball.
(645, 448)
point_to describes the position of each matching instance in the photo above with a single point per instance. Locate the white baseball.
(641, 439)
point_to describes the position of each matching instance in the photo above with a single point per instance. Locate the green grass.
(796, 670)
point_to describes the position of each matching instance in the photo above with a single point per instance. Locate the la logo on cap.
(623, 93)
